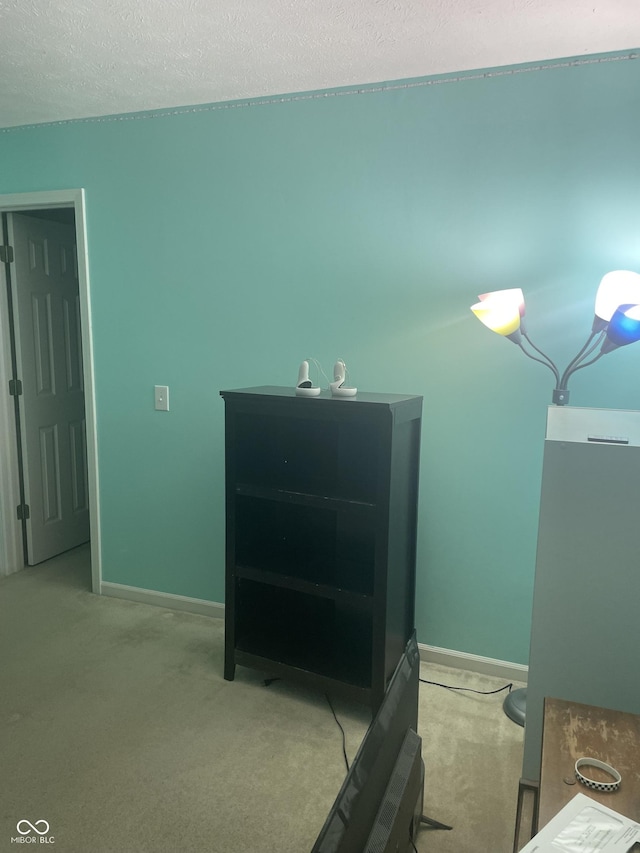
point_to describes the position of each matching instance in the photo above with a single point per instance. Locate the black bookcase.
(321, 516)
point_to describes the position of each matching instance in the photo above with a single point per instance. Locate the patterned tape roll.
(591, 783)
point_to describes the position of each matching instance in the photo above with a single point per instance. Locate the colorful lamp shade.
(623, 328)
(501, 311)
(620, 287)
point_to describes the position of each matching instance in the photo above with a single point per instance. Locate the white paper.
(584, 826)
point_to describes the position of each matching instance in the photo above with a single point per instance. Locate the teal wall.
(227, 244)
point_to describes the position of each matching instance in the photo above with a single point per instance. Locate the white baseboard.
(473, 663)
(163, 599)
(428, 654)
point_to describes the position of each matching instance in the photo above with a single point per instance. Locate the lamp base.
(515, 705)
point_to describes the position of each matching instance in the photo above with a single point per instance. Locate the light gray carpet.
(119, 730)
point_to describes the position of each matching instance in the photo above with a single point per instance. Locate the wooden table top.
(571, 731)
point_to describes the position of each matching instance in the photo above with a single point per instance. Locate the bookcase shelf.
(321, 516)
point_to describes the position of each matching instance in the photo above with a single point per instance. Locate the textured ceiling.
(66, 59)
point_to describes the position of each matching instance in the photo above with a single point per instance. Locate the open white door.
(44, 282)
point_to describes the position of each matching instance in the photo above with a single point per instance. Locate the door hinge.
(15, 387)
(23, 512)
(6, 254)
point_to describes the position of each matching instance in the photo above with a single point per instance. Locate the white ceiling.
(66, 59)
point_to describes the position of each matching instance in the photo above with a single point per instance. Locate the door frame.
(11, 545)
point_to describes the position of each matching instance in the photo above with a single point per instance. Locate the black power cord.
(469, 689)
(269, 681)
(344, 741)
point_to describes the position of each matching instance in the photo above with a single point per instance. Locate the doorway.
(61, 206)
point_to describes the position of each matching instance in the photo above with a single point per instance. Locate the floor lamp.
(616, 323)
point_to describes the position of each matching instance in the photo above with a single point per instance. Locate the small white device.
(304, 386)
(337, 387)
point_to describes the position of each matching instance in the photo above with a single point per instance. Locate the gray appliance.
(586, 601)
